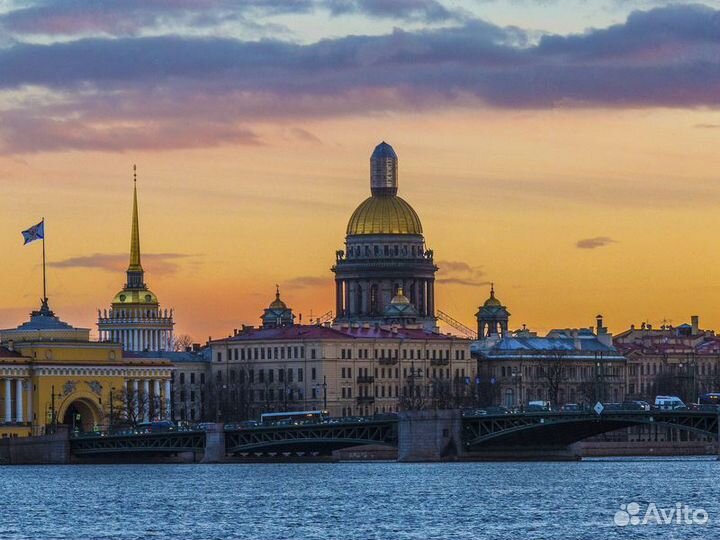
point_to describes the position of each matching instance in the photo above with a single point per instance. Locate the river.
(575, 500)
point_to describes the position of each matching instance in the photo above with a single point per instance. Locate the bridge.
(562, 429)
(419, 435)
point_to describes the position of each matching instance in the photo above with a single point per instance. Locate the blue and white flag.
(36, 232)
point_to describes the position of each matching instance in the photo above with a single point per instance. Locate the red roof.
(314, 332)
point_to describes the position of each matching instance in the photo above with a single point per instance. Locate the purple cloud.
(460, 273)
(156, 263)
(179, 92)
(595, 242)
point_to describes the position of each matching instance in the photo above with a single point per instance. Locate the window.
(251, 376)
(192, 395)
(202, 378)
(218, 376)
(313, 375)
(236, 354)
(342, 373)
(271, 375)
(192, 378)
(300, 375)
(261, 375)
(281, 375)
(290, 375)
(182, 378)
(342, 356)
(312, 354)
(219, 356)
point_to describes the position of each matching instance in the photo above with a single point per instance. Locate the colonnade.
(139, 399)
(17, 391)
(139, 339)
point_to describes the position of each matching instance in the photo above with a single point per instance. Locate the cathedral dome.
(384, 215)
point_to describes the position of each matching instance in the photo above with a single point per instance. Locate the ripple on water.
(363, 501)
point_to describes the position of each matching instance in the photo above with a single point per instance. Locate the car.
(158, 426)
(632, 405)
(570, 408)
(497, 410)
(669, 403)
(538, 406)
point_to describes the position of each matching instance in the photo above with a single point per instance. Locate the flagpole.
(44, 282)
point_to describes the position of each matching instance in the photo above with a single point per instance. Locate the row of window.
(386, 250)
(298, 352)
(267, 353)
(192, 377)
(266, 375)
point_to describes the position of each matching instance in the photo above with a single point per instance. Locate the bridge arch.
(554, 429)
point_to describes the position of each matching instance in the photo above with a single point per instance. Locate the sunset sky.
(568, 151)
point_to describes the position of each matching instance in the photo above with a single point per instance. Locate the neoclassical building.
(53, 374)
(135, 319)
(568, 365)
(346, 368)
(385, 254)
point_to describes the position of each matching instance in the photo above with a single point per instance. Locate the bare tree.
(127, 409)
(181, 342)
(555, 373)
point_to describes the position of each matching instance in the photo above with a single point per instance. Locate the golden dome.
(400, 298)
(135, 296)
(277, 303)
(492, 301)
(384, 215)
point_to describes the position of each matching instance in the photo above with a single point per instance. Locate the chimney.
(695, 322)
(599, 326)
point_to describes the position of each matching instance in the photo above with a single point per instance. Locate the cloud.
(304, 135)
(595, 242)
(131, 17)
(707, 126)
(180, 91)
(155, 263)
(303, 282)
(134, 17)
(460, 273)
(409, 10)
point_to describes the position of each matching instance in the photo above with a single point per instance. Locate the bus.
(293, 417)
(709, 401)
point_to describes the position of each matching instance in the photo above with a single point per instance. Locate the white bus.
(293, 417)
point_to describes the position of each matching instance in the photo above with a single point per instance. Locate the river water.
(577, 500)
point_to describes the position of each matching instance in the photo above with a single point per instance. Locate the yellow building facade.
(51, 373)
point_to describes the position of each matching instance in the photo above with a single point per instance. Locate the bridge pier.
(214, 444)
(425, 436)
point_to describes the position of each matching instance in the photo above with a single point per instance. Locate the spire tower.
(135, 273)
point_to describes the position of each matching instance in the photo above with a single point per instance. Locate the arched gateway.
(81, 414)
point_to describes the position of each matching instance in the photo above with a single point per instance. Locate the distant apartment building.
(566, 366)
(683, 360)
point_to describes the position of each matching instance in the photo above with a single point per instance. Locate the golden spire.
(135, 265)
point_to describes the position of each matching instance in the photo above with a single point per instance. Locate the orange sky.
(508, 193)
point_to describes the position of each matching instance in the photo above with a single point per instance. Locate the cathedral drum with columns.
(385, 254)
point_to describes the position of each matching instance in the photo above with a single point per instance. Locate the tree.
(128, 408)
(182, 342)
(555, 373)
